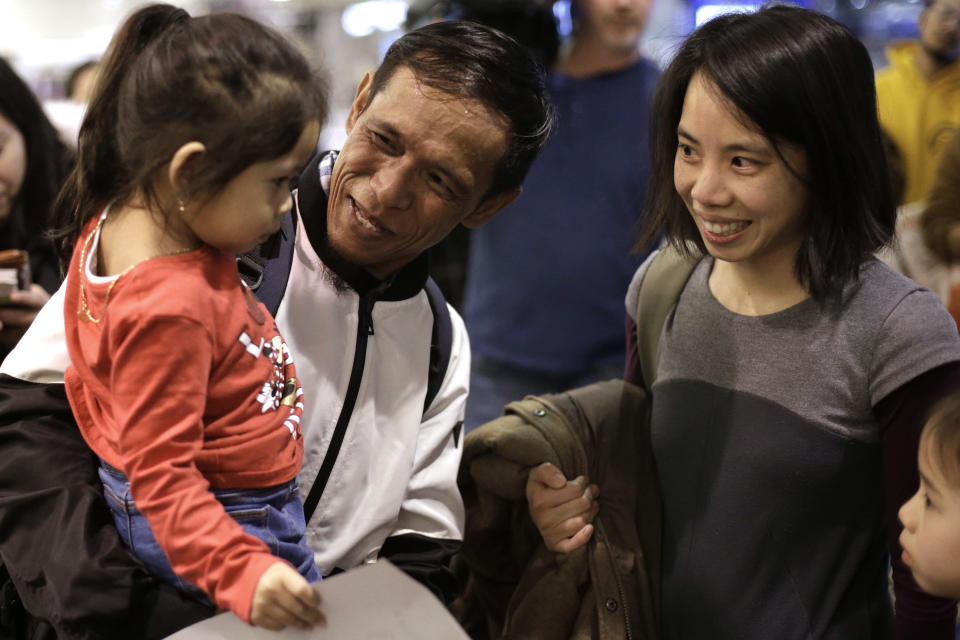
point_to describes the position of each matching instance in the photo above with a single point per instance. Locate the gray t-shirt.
(768, 455)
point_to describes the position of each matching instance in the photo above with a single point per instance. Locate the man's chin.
(335, 264)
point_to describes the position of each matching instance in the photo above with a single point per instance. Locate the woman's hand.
(562, 510)
(17, 314)
(283, 598)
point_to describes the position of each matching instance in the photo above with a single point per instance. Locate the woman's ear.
(182, 157)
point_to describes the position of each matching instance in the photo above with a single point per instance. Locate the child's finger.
(299, 599)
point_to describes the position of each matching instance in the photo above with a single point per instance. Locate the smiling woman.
(794, 370)
(820, 360)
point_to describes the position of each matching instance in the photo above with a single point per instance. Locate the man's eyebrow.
(386, 127)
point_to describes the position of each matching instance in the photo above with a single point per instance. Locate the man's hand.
(562, 510)
(284, 598)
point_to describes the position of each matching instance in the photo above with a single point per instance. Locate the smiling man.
(441, 134)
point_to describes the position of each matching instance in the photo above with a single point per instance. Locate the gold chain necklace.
(84, 312)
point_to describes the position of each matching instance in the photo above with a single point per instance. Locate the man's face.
(617, 23)
(416, 162)
(939, 27)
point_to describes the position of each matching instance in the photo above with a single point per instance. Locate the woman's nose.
(709, 187)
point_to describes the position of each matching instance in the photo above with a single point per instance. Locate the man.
(443, 133)
(919, 94)
(544, 292)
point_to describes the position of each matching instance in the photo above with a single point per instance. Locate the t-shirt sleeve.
(918, 335)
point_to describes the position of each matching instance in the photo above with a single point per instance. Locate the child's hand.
(284, 598)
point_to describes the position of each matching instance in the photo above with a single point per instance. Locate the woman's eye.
(741, 163)
(685, 149)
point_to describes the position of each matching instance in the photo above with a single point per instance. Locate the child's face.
(931, 528)
(250, 208)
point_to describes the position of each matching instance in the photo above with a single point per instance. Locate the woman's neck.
(756, 290)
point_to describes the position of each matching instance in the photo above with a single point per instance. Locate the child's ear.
(178, 169)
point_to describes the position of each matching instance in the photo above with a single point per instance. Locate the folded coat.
(515, 587)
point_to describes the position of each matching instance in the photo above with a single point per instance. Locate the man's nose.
(393, 184)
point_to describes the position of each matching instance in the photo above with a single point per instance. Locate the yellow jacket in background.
(920, 114)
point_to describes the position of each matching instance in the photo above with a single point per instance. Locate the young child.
(179, 380)
(931, 518)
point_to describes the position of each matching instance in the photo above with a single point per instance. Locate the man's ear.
(182, 157)
(490, 207)
(360, 100)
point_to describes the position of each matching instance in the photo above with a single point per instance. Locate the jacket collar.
(312, 188)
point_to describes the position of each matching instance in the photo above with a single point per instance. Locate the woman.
(795, 369)
(33, 164)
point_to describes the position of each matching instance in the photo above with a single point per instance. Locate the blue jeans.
(275, 515)
(495, 384)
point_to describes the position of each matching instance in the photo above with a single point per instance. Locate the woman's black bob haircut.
(799, 78)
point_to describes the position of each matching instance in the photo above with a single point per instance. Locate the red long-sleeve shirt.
(185, 385)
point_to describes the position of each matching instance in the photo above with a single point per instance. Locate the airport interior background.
(46, 39)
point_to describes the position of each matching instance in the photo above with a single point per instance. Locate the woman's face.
(13, 165)
(745, 200)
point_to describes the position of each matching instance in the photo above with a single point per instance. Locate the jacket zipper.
(364, 330)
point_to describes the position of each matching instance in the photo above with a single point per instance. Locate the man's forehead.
(405, 84)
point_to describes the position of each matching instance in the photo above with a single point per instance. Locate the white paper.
(373, 602)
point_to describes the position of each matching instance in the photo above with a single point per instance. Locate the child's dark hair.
(799, 78)
(224, 80)
(941, 437)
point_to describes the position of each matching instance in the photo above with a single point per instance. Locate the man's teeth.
(364, 220)
(724, 228)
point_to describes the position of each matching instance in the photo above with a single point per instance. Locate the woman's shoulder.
(882, 290)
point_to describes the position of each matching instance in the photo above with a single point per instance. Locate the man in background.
(919, 94)
(545, 284)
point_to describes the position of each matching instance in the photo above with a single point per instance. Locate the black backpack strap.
(441, 341)
(266, 268)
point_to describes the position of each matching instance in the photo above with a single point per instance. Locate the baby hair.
(799, 78)
(941, 437)
(222, 79)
